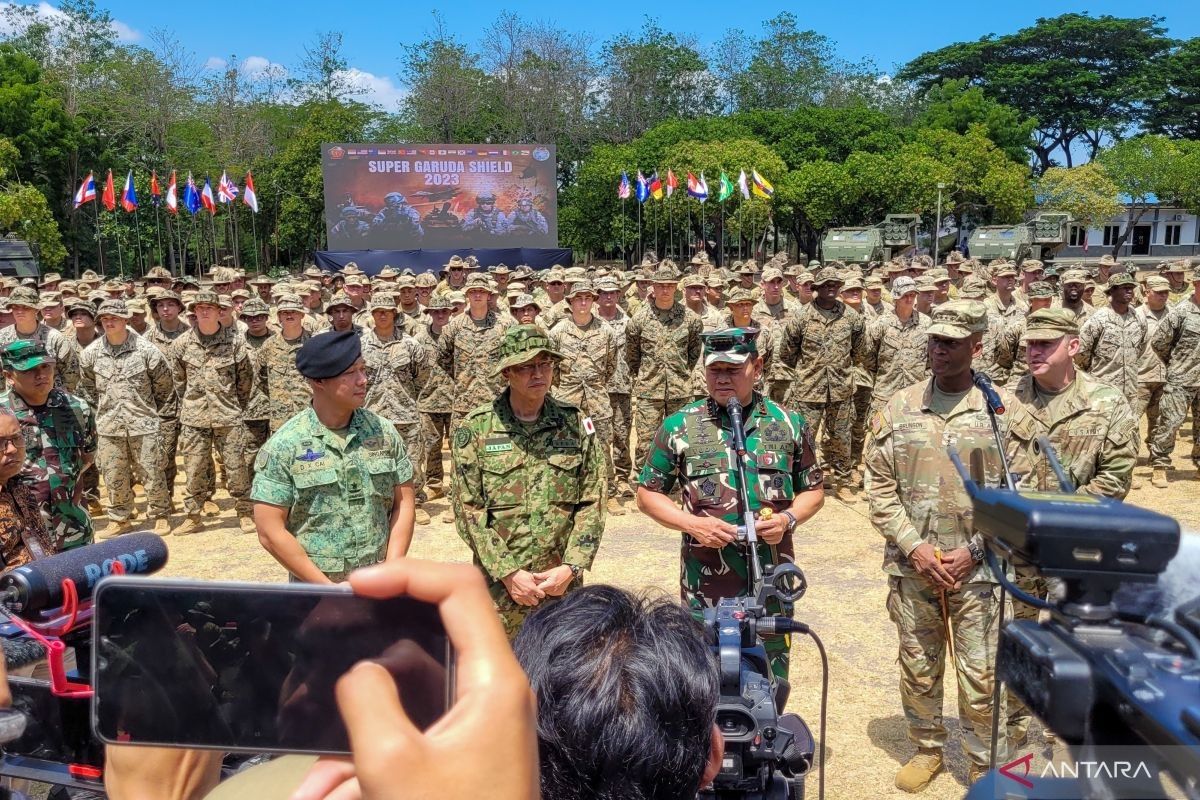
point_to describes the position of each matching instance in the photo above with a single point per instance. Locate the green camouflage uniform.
(131, 389)
(338, 491)
(1111, 346)
(661, 347)
(693, 448)
(1152, 375)
(287, 390)
(916, 497)
(434, 403)
(396, 371)
(590, 355)
(1177, 343)
(168, 428)
(66, 357)
(59, 439)
(215, 379)
(529, 495)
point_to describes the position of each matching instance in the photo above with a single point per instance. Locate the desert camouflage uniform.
(467, 350)
(315, 321)
(916, 497)
(771, 320)
(693, 448)
(1152, 375)
(396, 371)
(711, 320)
(1177, 343)
(257, 417)
(168, 428)
(215, 379)
(553, 315)
(66, 357)
(1008, 312)
(528, 496)
(434, 403)
(581, 379)
(819, 346)
(60, 443)
(661, 348)
(896, 353)
(287, 390)
(619, 387)
(339, 492)
(1111, 346)
(131, 389)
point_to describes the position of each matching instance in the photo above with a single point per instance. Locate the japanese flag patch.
(589, 427)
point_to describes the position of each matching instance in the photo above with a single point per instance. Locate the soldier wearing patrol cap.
(932, 557)
(608, 308)
(529, 499)
(1074, 286)
(287, 392)
(1011, 351)
(467, 349)
(1177, 343)
(693, 450)
(1003, 302)
(333, 486)
(1152, 372)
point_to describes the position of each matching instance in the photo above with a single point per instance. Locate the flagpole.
(212, 229)
(99, 237)
(237, 250)
(640, 252)
(671, 228)
(158, 235)
(137, 227)
(624, 220)
(120, 255)
(254, 233)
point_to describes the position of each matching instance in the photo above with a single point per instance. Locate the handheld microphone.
(37, 586)
(981, 380)
(735, 418)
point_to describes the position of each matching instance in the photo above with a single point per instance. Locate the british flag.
(227, 190)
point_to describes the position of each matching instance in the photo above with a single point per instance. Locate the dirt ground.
(840, 554)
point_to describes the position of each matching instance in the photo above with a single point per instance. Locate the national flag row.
(654, 187)
(192, 201)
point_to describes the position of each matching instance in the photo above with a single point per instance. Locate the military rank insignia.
(462, 437)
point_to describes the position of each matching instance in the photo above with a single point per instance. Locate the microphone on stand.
(981, 380)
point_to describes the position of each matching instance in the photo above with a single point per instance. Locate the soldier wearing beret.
(932, 557)
(529, 501)
(333, 486)
(693, 449)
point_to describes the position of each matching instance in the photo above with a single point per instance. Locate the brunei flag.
(762, 187)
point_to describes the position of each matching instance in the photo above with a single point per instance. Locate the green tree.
(25, 212)
(1083, 78)
(1176, 111)
(1149, 170)
(1085, 192)
(954, 106)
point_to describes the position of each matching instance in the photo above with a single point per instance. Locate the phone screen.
(252, 667)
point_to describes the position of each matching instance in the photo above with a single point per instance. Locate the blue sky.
(887, 33)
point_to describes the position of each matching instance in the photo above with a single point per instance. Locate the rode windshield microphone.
(981, 380)
(37, 586)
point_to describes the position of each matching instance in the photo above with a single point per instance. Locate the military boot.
(421, 516)
(162, 526)
(193, 524)
(112, 529)
(1159, 479)
(920, 770)
(615, 508)
(1136, 483)
(844, 494)
(434, 492)
(448, 515)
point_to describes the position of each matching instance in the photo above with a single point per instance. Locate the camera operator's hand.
(773, 529)
(554, 581)
(710, 531)
(925, 561)
(959, 563)
(393, 760)
(522, 586)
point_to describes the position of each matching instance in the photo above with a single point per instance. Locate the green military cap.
(827, 275)
(254, 307)
(340, 299)
(730, 345)
(24, 296)
(479, 281)
(24, 354)
(113, 308)
(382, 302)
(81, 305)
(688, 281)
(1041, 289)
(1156, 283)
(1073, 276)
(154, 299)
(286, 302)
(1049, 324)
(1120, 279)
(740, 294)
(958, 319)
(581, 287)
(521, 344)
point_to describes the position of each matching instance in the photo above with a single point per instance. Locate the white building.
(1163, 232)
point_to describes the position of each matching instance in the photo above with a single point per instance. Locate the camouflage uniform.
(1177, 343)
(215, 379)
(339, 491)
(619, 386)
(916, 496)
(772, 319)
(60, 443)
(693, 447)
(287, 390)
(466, 351)
(131, 389)
(257, 417)
(590, 355)
(1152, 374)
(819, 346)
(66, 357)
(661, 347)
(396, 371)
(434, 403)
(528, 496)
(896, 353)
(1111, 346)
(168, 428)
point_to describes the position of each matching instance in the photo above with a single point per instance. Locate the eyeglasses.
(16, 442)
(525, 370)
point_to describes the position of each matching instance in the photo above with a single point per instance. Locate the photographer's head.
(732, 364)
(627, 693)
(1051, 343)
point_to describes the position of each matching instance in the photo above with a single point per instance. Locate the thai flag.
(227, 190)
(172, 195)
(206, 197)
(87, 191)
(248, 196)
(129, 200)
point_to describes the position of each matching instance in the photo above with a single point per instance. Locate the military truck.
(879, 242)
(1040, 237)
(18, 258)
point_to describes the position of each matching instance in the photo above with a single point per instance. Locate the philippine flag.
(87, 191)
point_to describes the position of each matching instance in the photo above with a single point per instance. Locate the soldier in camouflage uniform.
(590, 351)
(335, 479)
(895, 349)
(436, 397)
(128, 382)
(529, 500)
(933, 559)
(1074, 284)
(167, 308)
(662, 344)
(1113, 339)
(467, 350)
(257, 416)
(1015, 364)
(287, 391)
(1177, 343)
(619, 386)
(771, 313)
(60, 440)
(396, 371)
(1004, 303)
(24, 305)
(1092, 428)
(215, 378)
(693, 448)
(1152, 373)
(818, 344)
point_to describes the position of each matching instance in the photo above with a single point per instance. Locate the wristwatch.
(576, 571)
(791, 526)
(976, 551)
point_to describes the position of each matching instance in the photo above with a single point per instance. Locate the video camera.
(1102, 676)
(767, 752)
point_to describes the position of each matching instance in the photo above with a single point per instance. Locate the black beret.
(328, 354)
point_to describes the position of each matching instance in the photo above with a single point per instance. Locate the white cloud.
(376, 89)
(123, 31)
(253, 66)
(215, 63)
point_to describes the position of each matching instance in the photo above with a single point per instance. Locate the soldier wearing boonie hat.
(24, 304)
(499, 452)
(1177, 343)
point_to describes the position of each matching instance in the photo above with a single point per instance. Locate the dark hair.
(627, 691)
